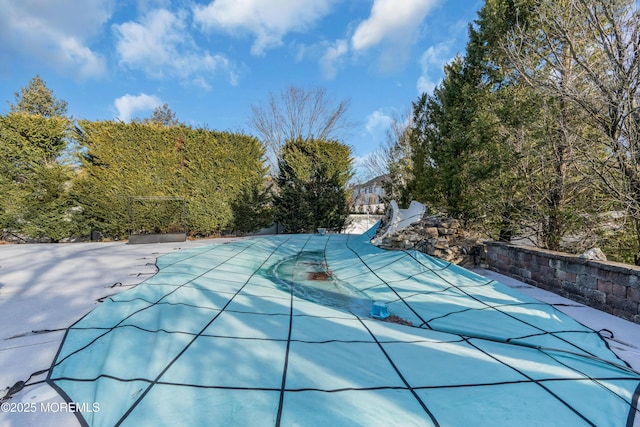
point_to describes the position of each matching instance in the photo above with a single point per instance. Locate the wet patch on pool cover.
(307, 276)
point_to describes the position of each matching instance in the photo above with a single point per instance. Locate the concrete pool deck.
(46, 288)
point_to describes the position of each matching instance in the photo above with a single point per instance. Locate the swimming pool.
(264, 331)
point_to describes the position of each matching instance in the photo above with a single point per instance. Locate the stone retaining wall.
(608, 286)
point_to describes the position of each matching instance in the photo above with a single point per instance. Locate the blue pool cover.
(276, 331)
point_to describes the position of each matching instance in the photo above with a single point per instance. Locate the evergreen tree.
(36, 200)
(37, 99)
(312, 181)
(496, 152)
(447, 142)
(253, 210)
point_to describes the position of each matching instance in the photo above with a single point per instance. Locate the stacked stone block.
(608, 286)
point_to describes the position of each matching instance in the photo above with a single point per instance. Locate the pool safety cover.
(277, 331)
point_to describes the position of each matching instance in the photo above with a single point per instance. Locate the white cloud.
(57, 33)
(128, 105)
(145, 6)
(377, 126)
(391, 20)
(425, 85)
(268, 22)
(432, 62)
(392, 26)
(200, 82)
(160, 45)
(377, 121)
(332, 58)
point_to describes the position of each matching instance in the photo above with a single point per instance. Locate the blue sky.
(211, 60)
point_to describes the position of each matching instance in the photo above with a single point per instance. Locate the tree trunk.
(557, 196)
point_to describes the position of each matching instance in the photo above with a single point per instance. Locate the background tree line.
(533, 132)
(63, 178)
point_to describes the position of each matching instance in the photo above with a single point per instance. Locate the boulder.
(435, 235)
(594, 254)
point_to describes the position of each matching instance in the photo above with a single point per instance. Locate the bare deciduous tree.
(163, 115)
(543, 60)
(393, 158)
(298, 113)
(586, 53)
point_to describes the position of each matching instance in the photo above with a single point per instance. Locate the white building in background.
(369, 197)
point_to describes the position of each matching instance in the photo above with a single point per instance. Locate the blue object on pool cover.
(276, 331)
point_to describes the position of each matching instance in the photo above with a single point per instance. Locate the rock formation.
(435, 235)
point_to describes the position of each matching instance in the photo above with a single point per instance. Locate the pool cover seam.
(381, 279)
(393, 365)
(534, 381)
(505, 313)
(57, 362)
(413, 275)
(341, 389)
(596, 380)
(498, 307)
(286, 356)
(635, 407)
(426, 340)
(166, 368)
